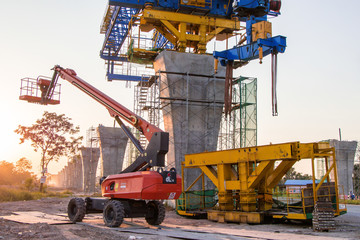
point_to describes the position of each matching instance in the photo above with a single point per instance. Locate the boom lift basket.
(32, 90)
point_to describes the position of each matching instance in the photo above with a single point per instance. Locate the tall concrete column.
(61, 178)
(55, 179)
(71, 167)
(345, 155)
(90, 158)
(113, 143)
(67, 176)
(192, 106)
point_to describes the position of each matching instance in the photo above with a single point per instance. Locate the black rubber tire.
(113, 213)
(155, 213)
(76, 210)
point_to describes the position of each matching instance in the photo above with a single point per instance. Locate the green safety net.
(197, 200)
(144, 59)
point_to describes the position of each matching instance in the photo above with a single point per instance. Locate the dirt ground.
(174, 226)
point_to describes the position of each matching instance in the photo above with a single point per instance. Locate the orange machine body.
(144, 185)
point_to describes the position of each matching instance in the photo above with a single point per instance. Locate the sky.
(318, 75)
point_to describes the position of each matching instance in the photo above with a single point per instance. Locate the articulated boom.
(134, 192)
(158, 146)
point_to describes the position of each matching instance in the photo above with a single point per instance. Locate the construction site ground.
(47, 219)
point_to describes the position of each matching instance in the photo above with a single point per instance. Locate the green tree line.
(17, 174)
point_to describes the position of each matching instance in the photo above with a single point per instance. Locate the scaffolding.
(92, 138)
(239, 129)
(128, 69)
(147, 106)
(152, 103)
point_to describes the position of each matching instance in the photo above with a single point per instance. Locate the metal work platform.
(32, 90)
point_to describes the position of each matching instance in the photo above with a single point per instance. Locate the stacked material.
(323, 216)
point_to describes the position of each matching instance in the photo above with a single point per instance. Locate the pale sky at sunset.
(318, 75)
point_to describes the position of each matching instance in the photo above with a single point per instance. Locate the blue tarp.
(293, 182)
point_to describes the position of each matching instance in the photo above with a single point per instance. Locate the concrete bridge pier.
(345, 155)
(90, 158)
(113, 143)
(192, 100)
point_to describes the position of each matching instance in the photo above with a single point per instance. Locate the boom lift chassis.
(136, 191)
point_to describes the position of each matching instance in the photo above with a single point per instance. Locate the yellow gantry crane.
(246, 178)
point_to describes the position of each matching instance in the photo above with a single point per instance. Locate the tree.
(23, 165)
(14, 175)
(292, 174)
(54, 136)
(7, 176)
(23, 170)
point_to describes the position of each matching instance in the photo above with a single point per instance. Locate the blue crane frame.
(118, 29)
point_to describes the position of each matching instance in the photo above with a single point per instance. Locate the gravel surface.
(347, 226)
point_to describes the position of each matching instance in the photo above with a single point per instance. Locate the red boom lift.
(136, 191)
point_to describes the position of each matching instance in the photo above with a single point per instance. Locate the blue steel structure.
(115, 35)
(252, 12)
(117, 31)
(218, 8)
(160, 41)
(250, 51)
(124, 13)
(259, 43)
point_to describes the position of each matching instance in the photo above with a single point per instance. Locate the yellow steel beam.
(151, 15)
(294, 216)
(336, 181)
(211, 173)
(260, 153)
(178, 25)
(325, 176)
(184, 213)
(223, 174)
(259, 173)
(232, 185)
(171, 28)
(213, 34)
(279, 172)
(169, 36)
(197, 179)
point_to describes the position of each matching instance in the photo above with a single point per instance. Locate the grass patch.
(8, 195)
(355, 202)
(13, 194)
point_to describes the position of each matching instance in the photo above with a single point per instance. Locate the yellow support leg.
(225, 196)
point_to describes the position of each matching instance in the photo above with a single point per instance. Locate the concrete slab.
(113, 143)
(192, 106)
(36, 217)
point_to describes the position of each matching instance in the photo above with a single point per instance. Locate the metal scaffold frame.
(239, 129)
(121, 66)
(236, 131)
(205, 107)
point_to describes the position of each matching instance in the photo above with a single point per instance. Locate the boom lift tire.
(76, 210)
(113, 213)
(155, 212)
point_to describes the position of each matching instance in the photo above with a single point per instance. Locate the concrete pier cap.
(345, 157)
(192, 98)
